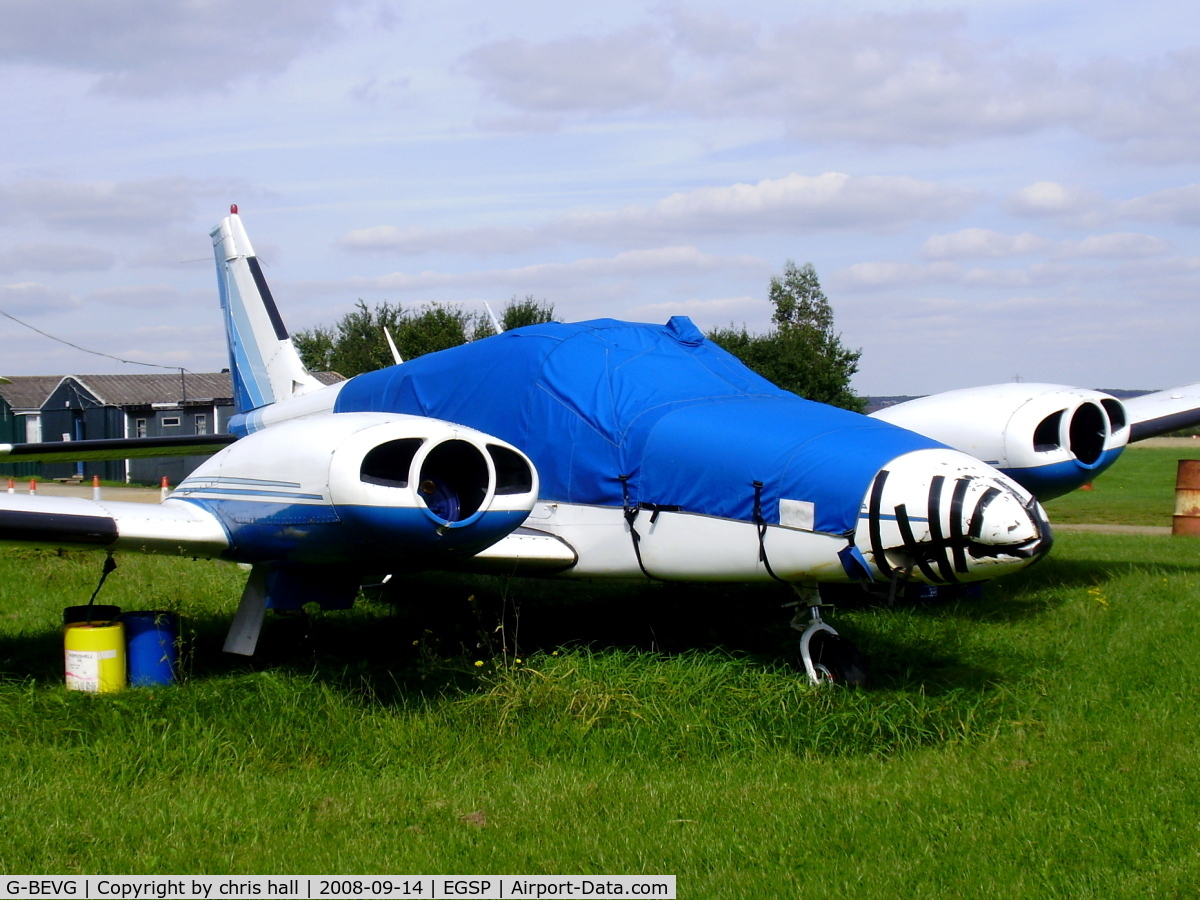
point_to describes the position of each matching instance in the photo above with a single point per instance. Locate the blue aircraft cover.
(686, 422)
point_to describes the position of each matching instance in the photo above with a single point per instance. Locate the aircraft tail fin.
(263, 362)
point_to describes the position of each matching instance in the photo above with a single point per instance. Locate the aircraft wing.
(1163, 411)
(115, 448)
(173, 527)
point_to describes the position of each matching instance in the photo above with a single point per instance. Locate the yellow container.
(95, 656)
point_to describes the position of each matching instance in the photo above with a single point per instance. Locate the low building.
(92, 407)
(21, 401)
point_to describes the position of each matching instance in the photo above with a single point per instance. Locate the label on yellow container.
(83, 668)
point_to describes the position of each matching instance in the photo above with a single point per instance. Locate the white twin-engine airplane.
(599, 449)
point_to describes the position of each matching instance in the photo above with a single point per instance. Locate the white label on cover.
(797, 514)
(83, 670)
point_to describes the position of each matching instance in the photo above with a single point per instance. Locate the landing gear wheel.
(837, 660)
(825, 655)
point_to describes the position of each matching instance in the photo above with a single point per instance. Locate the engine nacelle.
(364, 488)
(1050, 438)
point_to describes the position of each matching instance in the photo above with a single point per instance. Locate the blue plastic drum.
(152, 639)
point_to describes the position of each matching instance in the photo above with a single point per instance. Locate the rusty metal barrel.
(1187, 498)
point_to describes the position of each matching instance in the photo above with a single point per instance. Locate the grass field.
(1138, 490)
(1038, 742)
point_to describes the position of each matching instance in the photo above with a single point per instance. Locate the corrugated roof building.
(21, 401)
(90, 407)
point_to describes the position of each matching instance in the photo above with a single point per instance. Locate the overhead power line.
(132, 362)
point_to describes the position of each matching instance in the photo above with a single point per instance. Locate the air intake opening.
(1089, 428)
(1046, 435)
(1116, 414)
(453, 480)
(389, 463)
(513, 475)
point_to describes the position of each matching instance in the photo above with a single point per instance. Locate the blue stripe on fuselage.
(243, 424)
(265, 496)
(221, 480)
(264, 530)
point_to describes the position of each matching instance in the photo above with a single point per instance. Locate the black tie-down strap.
(762, 531)
(631, 514)
(109, 565)
(939, 548)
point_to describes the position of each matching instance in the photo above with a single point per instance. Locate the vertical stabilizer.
(263, 363)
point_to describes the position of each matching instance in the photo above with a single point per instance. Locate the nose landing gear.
(826, 655)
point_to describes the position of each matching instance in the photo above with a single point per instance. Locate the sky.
(989, 191)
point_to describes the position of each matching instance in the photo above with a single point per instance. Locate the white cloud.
(1081, 323)
(373, 90)
(1176, 278)
(891, 276)
(535, 123)
(601, 74)
(1036, 275)
(1118, 245)
(948, 323)
(415, 241)
(1151, 108)
(197, 348)
(870, 276)
(981, 243)
(915, 77)
(147, 296)
(789, 205)
(149, 204)
(47, 257)
(633, 263)
(711, 35)
(1176, 206)
(29, 298)
(1081, 207)
(168, 47)
(707, 314)
(1069, 204)
(169, 248)
(912, 78)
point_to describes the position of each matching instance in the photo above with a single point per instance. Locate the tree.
(799, 301)
(357, 344)
(518, 313)
(802, 353)
(435, 328)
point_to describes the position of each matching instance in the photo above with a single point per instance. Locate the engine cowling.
(1050, 438)
(364, 488)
